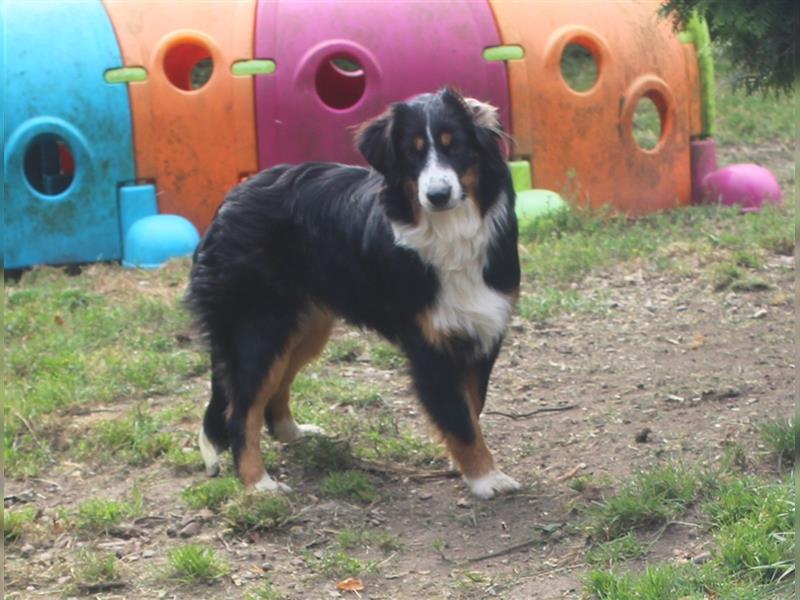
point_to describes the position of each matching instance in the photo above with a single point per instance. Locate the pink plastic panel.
(341, 63)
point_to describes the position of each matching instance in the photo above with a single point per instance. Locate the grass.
(17, 522)
(653, 497)
(139, 439)
(69, 343)
(349, 539)
(780, 437)
(195, 564)
(93, 570)
(264, 591)
(315, 454)
(343, 351)
(751, 524)
(385, 356)
(212, 493)
(616, 551)
(257, 511)
(100, 515)
(336, 562)
(349, 484)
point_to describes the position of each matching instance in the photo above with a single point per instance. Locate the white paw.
(287, 431)
(494, 482)
(209, 453)
(268, 484)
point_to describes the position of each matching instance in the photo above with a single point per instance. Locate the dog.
(421, 247)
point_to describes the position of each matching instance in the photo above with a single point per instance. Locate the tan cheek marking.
(446, 139)
(419, 143)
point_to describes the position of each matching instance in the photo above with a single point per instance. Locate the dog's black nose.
(439, 196)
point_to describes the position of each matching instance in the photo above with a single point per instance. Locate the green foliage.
(99, 515)
(264, 591)
(343, 351)
(386, 356)
(320, 454)
(194, 564)
(258, 511)
(349, 484)
(93, 568)
(16, 522)
(212, 493)
(758, 37)
(614, 551)
(651, 498)
(780, 436)
(338, 563)
(138, 439)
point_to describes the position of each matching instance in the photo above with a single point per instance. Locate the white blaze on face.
(437, 176)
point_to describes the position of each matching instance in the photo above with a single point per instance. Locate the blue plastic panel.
(68, 139)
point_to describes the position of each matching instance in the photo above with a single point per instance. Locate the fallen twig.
(517, 416)
(504, 551)
(411, 473)
(91, 588)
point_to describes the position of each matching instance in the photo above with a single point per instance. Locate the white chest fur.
(456, 242)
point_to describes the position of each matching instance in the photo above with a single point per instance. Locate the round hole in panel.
(49, 164)
(340, 81)
(188, 65)
(647, 127)
(578, 67)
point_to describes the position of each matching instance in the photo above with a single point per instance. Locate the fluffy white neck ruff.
(456, 242)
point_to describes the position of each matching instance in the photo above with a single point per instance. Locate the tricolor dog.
(421, 248)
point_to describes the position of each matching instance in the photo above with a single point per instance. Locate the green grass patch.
(212, 493)
(349, 539)
(184, 460)
(752, 550)
(651, 498)
(338, 563)
(67, 344)
(99, 515)
(93, 570)
(16, 522)
(264, 591)
(385, 356)
(616, 551)
(195, 564)
(383, 439)
(318, 453)
(545, 302)
(343, 351)
(139, 439)
(257, 511)
(349, 484)
(780, 437)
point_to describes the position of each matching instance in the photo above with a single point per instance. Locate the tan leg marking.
(309, 343)
(251, 463)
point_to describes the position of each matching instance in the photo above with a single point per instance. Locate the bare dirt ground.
(694, 367)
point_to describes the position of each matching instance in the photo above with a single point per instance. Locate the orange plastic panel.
(195, 144)
(580, 143)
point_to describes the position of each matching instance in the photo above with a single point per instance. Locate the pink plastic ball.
(746, 185)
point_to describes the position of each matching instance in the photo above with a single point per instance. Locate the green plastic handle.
(498, 53)
(125, 75)
(245, 68)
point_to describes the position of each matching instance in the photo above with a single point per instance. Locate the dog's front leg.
(445, 390)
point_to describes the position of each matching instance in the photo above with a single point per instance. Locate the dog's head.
(436, 147)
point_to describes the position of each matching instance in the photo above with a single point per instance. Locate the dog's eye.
(419, 144)
(446, 139)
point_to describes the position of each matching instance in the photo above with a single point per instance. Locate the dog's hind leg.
(315, 329)
(213, 436)
(254, 376)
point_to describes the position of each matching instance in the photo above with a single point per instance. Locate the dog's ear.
(484, 117)
(374, 141)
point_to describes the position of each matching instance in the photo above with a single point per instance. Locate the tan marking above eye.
(446, 139)
(419, 143)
